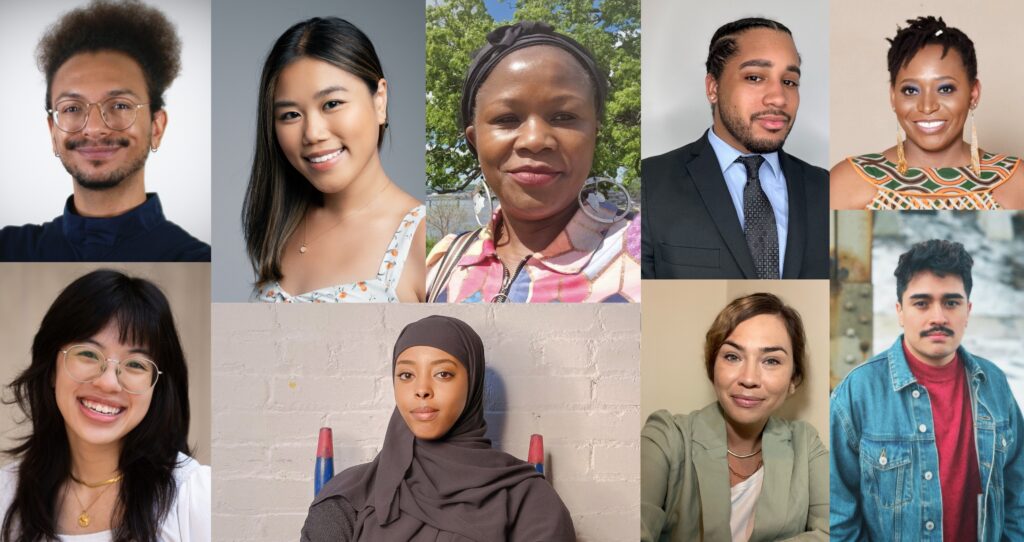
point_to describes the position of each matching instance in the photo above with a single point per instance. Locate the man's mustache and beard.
(744, 132)
(110, 179)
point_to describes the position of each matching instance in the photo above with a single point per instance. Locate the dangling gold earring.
(975, 155)
(901, 156)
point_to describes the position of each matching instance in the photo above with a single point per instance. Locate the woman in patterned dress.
(934, 88)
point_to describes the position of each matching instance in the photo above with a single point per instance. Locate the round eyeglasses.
(118, 113)
(85, 363)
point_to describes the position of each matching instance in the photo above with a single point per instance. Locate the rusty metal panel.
(851, 323)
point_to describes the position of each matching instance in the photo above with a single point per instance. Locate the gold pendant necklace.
(304, 247)
(83, 519)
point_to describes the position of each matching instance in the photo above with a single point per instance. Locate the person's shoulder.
(848, 188)
(21, 243)
(188, 470)
(805, 170)
(674, 156)
(181, 246)
(867, 374)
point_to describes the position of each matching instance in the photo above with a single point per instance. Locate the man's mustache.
(938, 329)
(73, 144)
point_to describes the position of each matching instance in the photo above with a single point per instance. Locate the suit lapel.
(771, 511)
(712, 473)
(796, 236)
(707, 177)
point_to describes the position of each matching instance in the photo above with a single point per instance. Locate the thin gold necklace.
(83, 519)
(107, 482)
(745, 476)
(734, 454)
(305, 219)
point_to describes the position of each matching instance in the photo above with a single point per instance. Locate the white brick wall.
(569, 372)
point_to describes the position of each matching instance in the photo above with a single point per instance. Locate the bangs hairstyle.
(278, 196)
(937, 256)
(924, 31)
(149, 453)
(127, 26)
(744, 308)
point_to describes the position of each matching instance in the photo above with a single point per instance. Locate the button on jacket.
(885, 466)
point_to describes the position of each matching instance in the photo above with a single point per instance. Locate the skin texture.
(96, 445)
(929, 88)
(429, 378)
(755, 363)
(107, 165)
(756, 97)
(320, 108)
(933, 314)
(535, 129)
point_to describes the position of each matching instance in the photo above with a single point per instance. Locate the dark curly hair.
(924, 31)
(744, 308)
(938, 256)
(723, 43)
(125, 26)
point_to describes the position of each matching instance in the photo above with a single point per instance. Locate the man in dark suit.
(733, 205)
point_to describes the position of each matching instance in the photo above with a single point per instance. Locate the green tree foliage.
(609, 28)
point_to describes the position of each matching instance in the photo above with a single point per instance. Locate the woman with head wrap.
(436, 477)
(531, 108)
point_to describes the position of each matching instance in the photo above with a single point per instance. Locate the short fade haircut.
(924, 31)
(937, 256)
(124, 26)
(723, 43)
(744, 308)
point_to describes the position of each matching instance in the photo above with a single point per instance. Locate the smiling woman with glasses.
(107, 398)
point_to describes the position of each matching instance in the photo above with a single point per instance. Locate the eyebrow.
(135, 350)
(762, 63)
(940, 78)
(928, 297)
(319, 94)
(432, 363)
(110, 94)
(764, 349)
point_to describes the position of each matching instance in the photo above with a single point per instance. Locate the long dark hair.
(149, 452)
(278, 195)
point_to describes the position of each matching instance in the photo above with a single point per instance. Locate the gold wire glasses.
(85, 363)
(118, 113)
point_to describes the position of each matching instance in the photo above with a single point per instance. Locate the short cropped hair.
(125, 26)
(937, 256)
(723, 43)
(924, 31)
(744, 308)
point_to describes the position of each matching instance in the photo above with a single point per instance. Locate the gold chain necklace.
(83, 519)
(742, 476)
(305, 219)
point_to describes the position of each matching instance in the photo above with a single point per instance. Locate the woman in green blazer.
(732, 471)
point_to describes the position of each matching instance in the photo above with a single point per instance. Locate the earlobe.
(471, 135)
(157, 128)
(711, 88)
(380, 101)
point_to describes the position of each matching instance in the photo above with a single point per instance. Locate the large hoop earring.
(975, 154)
(591, 199)
(481, 192)
(901, 156)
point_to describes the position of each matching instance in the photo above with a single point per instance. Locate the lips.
(534, 175)
(100, 410)
(772, 121)
(424, 414)
(324, 160)
(746, 401)
(930, 126)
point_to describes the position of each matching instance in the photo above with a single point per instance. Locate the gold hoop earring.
(901, 156)
(975, 154)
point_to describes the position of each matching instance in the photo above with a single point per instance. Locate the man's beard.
(109, 180)
(745, 135)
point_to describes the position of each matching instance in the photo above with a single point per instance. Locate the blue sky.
(501, 10)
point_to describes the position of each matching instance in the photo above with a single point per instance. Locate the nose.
(94, 124)
(775, 96)
(424, 391)
(928, 103)
(314, 130)
(107, 381)
(937, 314)
(750, 374)
(535, 135)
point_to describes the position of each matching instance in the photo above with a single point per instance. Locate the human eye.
(120, 105)
(135, 365)
(564, 116)
(332, 104)
(70, 107)
(287, 116)
(921, 304)
(754, 78)
(791, 82)
(505, 120)
(947, 89)
(909, 90)
(772, 361)
(952, 303)
(730, 356)
(444, 375)
(403, 376)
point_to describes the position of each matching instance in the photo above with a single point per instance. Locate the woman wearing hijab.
(531, 108)
(733, 470)
(934, 89)
(436, 477)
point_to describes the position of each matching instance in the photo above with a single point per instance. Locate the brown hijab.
(451, 489)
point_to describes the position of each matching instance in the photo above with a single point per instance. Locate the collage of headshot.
(511, 270)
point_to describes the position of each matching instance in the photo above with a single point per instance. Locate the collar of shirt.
(901, 375)
(80, 230)
(570, 251)
(773, 182)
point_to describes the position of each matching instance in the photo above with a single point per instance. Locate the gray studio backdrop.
(243, 32)
(34, 184)
(677, 33)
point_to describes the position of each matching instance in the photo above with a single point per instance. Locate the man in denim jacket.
(924, 435)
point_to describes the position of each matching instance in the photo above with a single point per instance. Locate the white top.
(744, 500)
(188, 519)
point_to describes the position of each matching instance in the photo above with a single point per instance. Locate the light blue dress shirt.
(773, 182)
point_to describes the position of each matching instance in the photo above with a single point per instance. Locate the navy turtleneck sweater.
(140, 235)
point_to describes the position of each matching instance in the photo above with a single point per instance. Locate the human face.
(534, 129)
(933, 314)
(100, 412)
(932, 98)
(327, 122)
(97, 157)
(758, 93)
(431, 388)
(754, 370)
